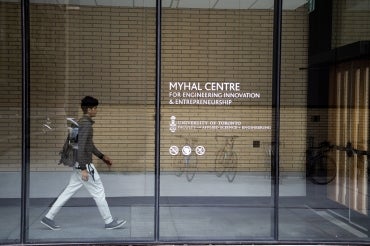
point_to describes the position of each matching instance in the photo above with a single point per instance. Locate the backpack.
(68, 155)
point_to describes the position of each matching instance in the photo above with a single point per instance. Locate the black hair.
(88, 102)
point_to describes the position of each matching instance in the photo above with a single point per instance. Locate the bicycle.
(226, 160)
(186, 161)
(321, 168)
(269, 153)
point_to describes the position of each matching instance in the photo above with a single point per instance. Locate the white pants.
(95, 188)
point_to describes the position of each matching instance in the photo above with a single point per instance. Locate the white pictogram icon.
(186, 150)
(200, 150)
(174, 150)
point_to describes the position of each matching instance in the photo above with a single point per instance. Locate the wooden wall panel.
(349, 123)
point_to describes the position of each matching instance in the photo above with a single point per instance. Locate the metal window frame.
(276, 72)
(25, 22)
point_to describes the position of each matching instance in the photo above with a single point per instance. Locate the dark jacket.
(86, 147)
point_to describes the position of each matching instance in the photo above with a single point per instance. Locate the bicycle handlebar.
(349, 149)
(225, 136)
(186, 138)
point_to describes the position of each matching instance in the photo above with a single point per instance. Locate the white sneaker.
(50, 223)
(115, 224)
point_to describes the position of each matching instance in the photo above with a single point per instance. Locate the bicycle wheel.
(219, 163)
(179, 169)
(231, 165)
(322, 170)
(191, 167)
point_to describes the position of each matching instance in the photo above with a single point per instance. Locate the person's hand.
(85, 175)
(107, 160)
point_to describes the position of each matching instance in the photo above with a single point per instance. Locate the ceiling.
(199, 4)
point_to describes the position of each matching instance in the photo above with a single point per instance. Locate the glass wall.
(11, 121)
(216, 121)
(293, 112)
(328, 113)
(107, 52)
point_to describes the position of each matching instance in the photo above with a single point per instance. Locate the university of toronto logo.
(173, 124)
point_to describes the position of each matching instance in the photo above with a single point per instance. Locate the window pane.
(11, 121)
(216, 121)
(326, 134)
(107, 52)
(350, 22)
(294, 56)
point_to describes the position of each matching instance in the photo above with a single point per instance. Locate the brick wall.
(10, 82)
(110, 53)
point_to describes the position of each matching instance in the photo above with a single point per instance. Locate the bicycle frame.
(188, 162)
(226, 159)
(319, 165)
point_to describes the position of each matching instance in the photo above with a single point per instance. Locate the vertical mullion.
(25, 22)
(276, 71)
(157, 118)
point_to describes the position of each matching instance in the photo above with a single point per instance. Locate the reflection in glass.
(331, 127)
(106, 52)
(216, 121)
(11, 122)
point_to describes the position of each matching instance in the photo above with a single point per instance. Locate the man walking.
(84, 171)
